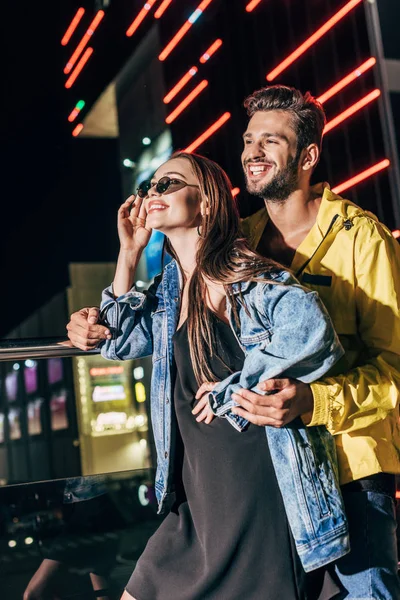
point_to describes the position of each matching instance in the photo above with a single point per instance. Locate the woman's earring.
(198, 231)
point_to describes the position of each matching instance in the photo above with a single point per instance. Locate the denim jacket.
(284, 331)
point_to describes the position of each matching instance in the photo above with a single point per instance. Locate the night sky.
(55, 189)
(60, 194)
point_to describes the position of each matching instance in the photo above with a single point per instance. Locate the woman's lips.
(156, 207)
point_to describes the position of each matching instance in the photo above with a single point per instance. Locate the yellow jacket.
(353, 262)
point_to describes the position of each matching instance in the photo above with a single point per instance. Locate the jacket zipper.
(317, 248)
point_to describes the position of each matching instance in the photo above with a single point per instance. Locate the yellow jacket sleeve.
(366, 394)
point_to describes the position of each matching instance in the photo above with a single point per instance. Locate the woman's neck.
(185, 247)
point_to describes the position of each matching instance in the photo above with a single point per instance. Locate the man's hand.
(84, 331)
(202, 408)
(290, 399)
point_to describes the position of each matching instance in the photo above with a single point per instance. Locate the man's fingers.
(89, 332)
(207, 386)
(93, 315)
(273, 384)
(82, 342)
(262, 421)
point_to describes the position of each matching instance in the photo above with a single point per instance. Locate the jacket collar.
(331, 205)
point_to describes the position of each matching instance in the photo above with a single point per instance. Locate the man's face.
(269, 155)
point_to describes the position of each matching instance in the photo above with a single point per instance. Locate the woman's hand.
(202, 408)
(132, 231)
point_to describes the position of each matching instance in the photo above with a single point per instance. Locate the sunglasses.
(164, 184)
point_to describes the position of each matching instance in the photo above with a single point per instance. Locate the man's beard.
(281, 186)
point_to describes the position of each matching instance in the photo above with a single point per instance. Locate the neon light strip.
(351, 110)
(251, 5)
(141, 16)
(184, 29)
(235, 191)
(346, 80)
(188, 100)
(361, 176)
(162, 8)
(90, 31)
(76, 111)
(312, 39)
(181, 83)
(82, 62)
(208, 132)
(77, 130)
(396, 235)
(208, 53)
(74, 24)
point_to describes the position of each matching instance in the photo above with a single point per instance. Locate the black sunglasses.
(161, 186)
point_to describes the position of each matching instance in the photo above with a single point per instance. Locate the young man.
(353, 262)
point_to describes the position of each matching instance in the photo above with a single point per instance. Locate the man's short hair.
(308, 115)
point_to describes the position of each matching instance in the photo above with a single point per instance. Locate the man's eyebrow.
(266, 134)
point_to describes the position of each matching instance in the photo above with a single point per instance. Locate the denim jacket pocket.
(314, 476)
(160, 329)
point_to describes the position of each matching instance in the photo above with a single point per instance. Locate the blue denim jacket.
(285, 332)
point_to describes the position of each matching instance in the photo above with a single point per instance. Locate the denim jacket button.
(167, 401)
(165, 454)
(68, 496)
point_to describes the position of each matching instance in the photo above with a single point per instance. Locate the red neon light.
(396, 234)
(181, 83)
(346, 80)
(74, 24)
(141, 16)
(398, 494)
(85, 57)
(313, 38)
(235, 191)
(73, 115)
(188, 100)
(361, 176)
(77, 130)
(162, 8)
(351, 110)
(184, 29)
(208, 53)
(251, 5)
(90, 31)
(208, 132)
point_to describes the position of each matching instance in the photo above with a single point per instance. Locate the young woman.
(222, 313)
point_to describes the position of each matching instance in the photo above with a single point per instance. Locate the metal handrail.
(24, 348)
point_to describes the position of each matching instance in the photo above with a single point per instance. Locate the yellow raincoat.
(353, 262)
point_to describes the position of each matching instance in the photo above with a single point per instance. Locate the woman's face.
(179, 206)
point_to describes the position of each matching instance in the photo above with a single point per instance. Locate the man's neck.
(289, 223)
(297, 213)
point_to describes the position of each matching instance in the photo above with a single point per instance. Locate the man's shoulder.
(358, 217)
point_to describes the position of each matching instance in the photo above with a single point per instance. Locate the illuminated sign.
(104, 393)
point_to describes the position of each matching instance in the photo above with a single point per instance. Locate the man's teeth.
(257, 170)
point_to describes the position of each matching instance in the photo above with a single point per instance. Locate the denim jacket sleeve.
(129, 318)
(301, 343)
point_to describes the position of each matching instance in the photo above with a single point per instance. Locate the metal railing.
(23, 349)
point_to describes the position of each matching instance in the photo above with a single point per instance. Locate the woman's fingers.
(203, 411)
(200, 405)
(207, 386)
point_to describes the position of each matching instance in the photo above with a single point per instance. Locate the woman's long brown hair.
(223, 256)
